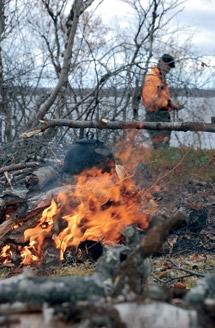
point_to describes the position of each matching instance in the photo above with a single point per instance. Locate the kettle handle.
(90, 135)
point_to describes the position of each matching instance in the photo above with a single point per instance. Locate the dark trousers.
(160, 139)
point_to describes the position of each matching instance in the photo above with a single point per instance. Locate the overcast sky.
(198, 16)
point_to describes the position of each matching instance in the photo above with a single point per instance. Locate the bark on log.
(37, 290)
(30, 219)
(44, 199)
(114, 125)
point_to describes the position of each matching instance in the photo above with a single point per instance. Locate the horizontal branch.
(114, 125)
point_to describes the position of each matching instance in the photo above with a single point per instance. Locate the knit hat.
(168, 59)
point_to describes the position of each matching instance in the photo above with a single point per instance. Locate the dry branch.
(191, 272)
(114, 125)
(14, 167)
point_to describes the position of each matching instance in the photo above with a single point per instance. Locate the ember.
(97, 208)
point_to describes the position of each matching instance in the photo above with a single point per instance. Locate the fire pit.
(97, 208)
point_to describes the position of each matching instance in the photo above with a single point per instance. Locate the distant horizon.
(108, 89)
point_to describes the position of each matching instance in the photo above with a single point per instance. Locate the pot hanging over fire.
(87, 153)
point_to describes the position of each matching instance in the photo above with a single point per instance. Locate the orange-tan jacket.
(155, 91)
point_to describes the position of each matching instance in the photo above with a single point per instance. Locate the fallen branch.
(114, 125)
(37, 290)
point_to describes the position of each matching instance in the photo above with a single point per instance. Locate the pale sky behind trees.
(196, 19)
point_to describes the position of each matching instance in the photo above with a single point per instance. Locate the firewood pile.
(45, 223)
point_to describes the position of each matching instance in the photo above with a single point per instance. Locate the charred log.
(29, 220)
(12, 206)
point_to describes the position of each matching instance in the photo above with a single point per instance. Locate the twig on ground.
(9, 179)
(168, 172)
(186, 270)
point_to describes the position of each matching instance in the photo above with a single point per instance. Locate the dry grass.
(77, 270)
(165, 273)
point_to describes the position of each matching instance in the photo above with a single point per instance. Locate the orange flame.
(5, 253)
(99, 208)
(104, 206)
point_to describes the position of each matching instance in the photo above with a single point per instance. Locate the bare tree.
(71, 66)
(5, 113)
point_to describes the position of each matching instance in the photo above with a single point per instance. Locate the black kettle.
(87, 153)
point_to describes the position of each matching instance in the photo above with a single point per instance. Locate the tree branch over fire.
(114, 125)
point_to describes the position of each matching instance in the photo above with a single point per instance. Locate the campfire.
(97, 207)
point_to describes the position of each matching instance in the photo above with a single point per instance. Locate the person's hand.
(176, 105)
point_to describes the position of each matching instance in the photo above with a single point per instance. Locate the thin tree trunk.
(77, 9)
(5, 114)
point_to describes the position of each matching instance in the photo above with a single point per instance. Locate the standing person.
(157, 99)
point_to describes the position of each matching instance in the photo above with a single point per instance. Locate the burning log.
(7, 231)
(43, 199)
(97, 208)
(12, 205)
(160, 227)
(105, 124)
